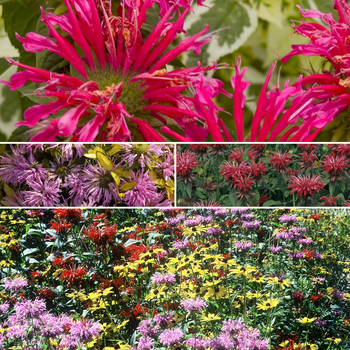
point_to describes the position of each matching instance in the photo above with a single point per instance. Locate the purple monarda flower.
(247, 217)
(30, 309)
(4, 308)
(251, 224)
(173, 221)
(305, 241)
(145, 192)
(162, 279)
(15, 284)
(147, 328)
(85, 330)
(243, 245)
(171, 336)
(213, 231)
(288, 219)
(191, 222)
(320, 323)
(163, 321)
(220, 212)
(193, 305)
(275, 249)
(145, 343)
(99, 185)
(181, 244)
(337, 294)
(198, 343)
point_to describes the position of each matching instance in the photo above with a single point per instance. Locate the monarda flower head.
(118, 88)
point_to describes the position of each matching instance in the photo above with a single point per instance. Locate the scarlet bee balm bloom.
(118, 88)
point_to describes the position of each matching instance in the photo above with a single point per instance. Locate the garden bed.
(175, 279)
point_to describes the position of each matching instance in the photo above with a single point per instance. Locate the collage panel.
(87, 175)
(263, 175)
(203, 278)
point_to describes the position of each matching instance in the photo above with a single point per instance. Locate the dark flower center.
(105, 180)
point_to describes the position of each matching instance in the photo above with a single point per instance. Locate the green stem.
(245, 301)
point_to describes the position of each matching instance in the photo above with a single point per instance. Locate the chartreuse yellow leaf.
(160, 183)
(92, 152)
(116, 178)
(152, 175)
(115, 149)
(105, 162)
(9, 192)
(122, 173)
(128, 186)
(170, 189)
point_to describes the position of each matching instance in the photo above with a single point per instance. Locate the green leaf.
(332, 186)
(4, 65)
(10, 106)
(188, 188)
(241, 19)
(3, 137)
(28, 91)
(271, 203)
(34, 5)
(19, 134)
(19, 19)
(29, 251)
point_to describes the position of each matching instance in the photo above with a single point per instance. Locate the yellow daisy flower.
(306, 320)
(268, 304)
(243, 270)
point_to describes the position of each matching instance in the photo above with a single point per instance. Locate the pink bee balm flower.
(314, 102)
(118, 88)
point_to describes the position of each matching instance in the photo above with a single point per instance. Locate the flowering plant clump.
(31, 326)
(175, 278)
(264, 175)
(36, 175)
(104, 70)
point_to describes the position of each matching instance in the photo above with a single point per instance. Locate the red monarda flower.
(333, 164)
(185, 163)
(199, 149)
(243, 184)
(259, 149)
(63, 263)
(316, 299)
(257, 170)
(264, 198)
(280, 160)
(46, 294)
(329, 202)
(307, 147)
(237, 154)
(217, 149)
(118, 86)
(73, 215)
(60, 226)
(342, 149)
(307, 160)
(101, 235)
(305, 185)
(73, 274)
(231, 171)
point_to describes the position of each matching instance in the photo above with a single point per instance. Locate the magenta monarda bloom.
(118, 88)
